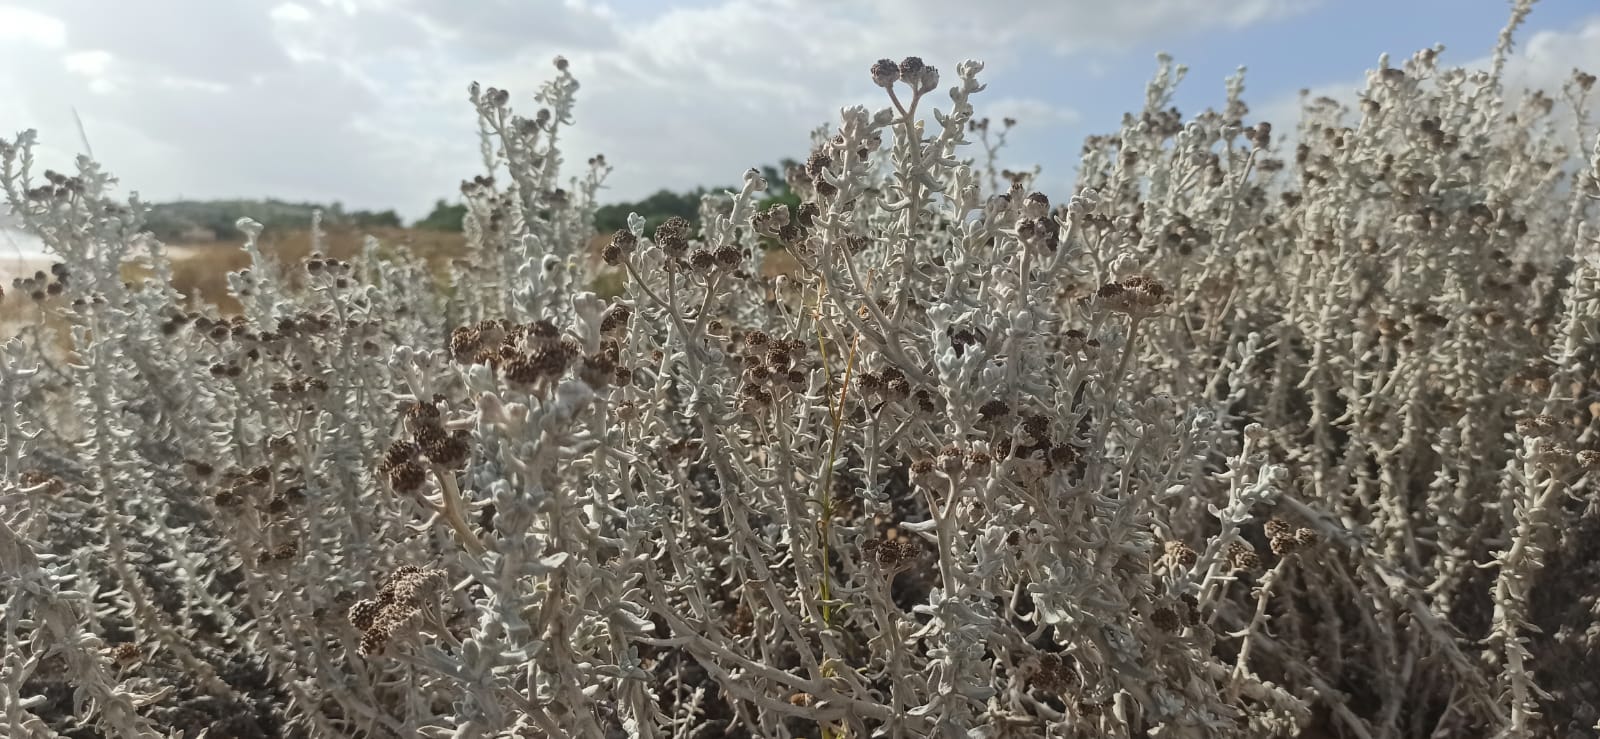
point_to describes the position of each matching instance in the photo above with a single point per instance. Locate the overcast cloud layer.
(363, 101)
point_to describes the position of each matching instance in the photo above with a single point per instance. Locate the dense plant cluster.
(1257, 432)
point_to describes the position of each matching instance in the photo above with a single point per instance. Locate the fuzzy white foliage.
(1232, 441)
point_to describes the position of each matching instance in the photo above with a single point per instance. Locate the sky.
(364, 101)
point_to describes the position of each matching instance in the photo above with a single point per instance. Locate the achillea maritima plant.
(1259, 430)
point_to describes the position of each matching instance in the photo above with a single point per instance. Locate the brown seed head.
(1538, 426)
(1180, 554)
(1242, 557)
(1166, 619)
(994, 409)
(126, 653)
(885, 73)
(702, 260)
(1055, 673)
(951, 460)
(407, 477)
(911, 67)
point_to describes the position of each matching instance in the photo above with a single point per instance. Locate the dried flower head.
(1136, 296)
(402, 597)
(1242, 557)
(1538, 426)
(125, 653)
(1180, 554)
(885, 73)
(1166, 619)
(673, 236)
(1056, 674)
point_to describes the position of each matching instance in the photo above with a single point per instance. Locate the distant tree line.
(215, 220)
(655, 209)
(445, 217)
(192, 221)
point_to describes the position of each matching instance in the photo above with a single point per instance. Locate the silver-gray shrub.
(1256, 431)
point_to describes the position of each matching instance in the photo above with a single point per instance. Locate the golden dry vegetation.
(200, 269)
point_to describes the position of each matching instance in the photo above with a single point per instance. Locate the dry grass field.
(200, 269)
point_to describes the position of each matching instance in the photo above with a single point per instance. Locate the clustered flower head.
(891, 554)
(401, 600)
(1286, 539)
(1056, 674)
(1138, 295)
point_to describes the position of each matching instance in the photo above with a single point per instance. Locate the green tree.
(664, 204)
(655, 209)
(371, 219)
(445, 217)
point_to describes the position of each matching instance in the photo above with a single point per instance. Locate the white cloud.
(291, 13)
(1068, 26)
(1032, 111)
(1544, 61)
(183, 83)
(92, 63)
(1547, 59)
(363, 100)
(26, 26)
(695, 95)
(93, 66)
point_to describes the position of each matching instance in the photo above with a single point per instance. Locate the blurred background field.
(200, 268)
(204, 242)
